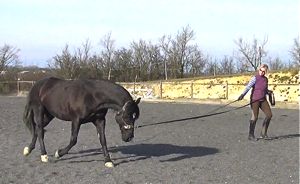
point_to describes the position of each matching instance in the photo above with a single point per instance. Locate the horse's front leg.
(100, 125)
(74, 134)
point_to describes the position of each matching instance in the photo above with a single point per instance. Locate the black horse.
(79, 101)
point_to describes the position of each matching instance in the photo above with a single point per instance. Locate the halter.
(126, 126)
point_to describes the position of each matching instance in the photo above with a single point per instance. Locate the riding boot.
(251, 136)
(265, 127)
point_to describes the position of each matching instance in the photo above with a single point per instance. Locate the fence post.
(18, 87)
(161, 91)
(226, 90)
(192, 90)
(134, 87)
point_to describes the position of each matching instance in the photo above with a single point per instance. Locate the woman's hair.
(264, 66)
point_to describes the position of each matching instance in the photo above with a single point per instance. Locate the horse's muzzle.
(127, 139)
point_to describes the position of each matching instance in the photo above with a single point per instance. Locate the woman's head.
(263, 69)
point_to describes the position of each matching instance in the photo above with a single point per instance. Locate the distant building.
(3, 72)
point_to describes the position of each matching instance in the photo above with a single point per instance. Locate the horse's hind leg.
(74, 134)
(27, 150)
(38, 118)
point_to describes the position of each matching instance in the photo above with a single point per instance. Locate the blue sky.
(41, 28)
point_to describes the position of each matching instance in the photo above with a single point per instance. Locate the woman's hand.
(241, 97)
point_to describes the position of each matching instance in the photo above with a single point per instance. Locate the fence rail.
(196, 90)
(173, 90)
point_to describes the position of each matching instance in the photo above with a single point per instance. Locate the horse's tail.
(28, 117)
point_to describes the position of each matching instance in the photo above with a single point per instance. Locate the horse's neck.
(114, 104)
(115, 97)
(110, 106)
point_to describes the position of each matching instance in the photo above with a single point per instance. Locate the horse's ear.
(137, 101)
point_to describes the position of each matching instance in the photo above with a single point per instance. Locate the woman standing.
(259, 85)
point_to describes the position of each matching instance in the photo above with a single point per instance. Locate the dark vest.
(259, 90)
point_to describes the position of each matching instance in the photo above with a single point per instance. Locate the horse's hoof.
(263, 137)
(109, 164)
(56, 154)
(44, 158)
(251, 138)
(26, 151)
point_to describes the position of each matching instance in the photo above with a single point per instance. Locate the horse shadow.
(164, 153)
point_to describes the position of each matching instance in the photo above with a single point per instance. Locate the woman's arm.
(249, 85)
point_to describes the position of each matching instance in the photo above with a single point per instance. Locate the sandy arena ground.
(209, 150)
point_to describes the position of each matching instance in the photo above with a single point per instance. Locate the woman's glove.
(241, 97)
(270, 92)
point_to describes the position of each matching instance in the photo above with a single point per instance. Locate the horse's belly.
(59, 109)
(61, 116)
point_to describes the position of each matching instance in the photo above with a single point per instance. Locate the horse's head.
(126, 118)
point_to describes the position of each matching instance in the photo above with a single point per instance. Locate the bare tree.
(181, 47)
(141, 58)
(227, 65)
(156, 62)
(180, 57)
(197, 61)
(164, 43)
(212, 67)
(124, 67)
(275, 64)
(66, 64)
(8, 55)
(84, 58)
(295, 52)
(251, 54)
(96, 67)
(107, 53)
(83, 54)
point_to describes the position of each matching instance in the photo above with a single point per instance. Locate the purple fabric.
(260, 88)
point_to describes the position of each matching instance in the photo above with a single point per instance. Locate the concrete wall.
(284, 84)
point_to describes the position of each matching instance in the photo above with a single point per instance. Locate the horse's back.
(60, 87)
(65, 99)
(34, 92)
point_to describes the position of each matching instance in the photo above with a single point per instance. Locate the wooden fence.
(174, 90)
(194, 90)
